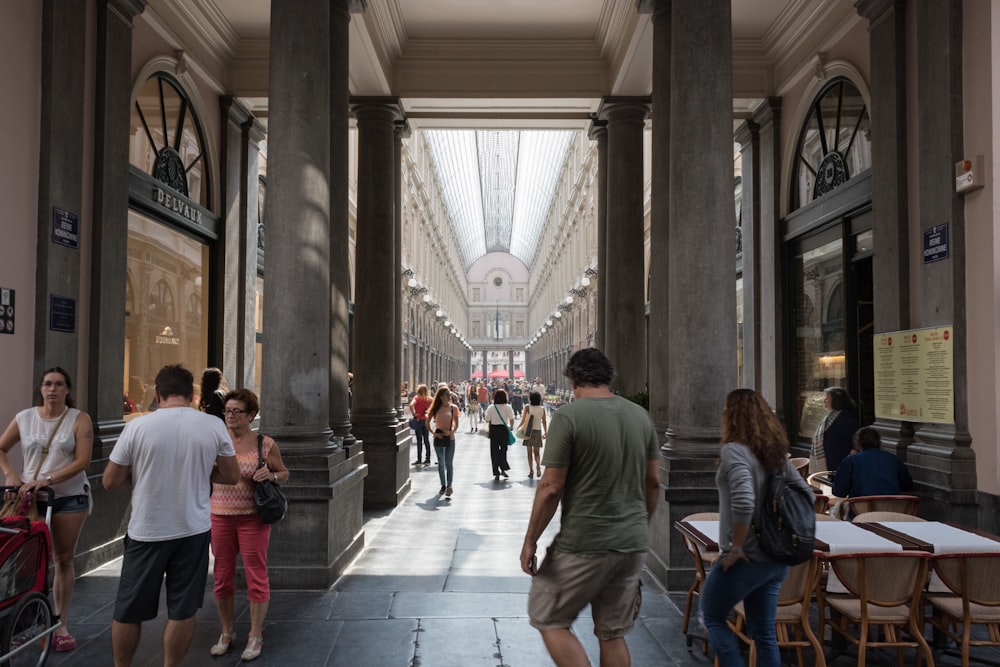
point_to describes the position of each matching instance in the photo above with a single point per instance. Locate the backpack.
(785, 520)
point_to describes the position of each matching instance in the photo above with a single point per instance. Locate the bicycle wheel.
(28, 621)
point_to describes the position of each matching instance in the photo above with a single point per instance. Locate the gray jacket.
(740, 480)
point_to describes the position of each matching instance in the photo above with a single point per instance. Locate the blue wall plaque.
(935, 243)
(62, 313)
(65, 228)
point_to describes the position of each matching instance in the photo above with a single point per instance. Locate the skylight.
(498, 186)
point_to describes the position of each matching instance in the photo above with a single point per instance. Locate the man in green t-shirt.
(602, 463)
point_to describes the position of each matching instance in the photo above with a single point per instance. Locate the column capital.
(127, 9)
(877, 10)
(747, 132)
(598, 128)
(618, 108)
(365, 105)
(403, 129)
(768, 112)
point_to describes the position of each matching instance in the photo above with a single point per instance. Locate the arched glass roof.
(498, 186)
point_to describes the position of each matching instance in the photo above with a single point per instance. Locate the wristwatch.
(48, 480)
(275, 475)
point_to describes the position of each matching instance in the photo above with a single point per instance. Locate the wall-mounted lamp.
(416, 291)
(590, 273)
(439, 313)
(548, 323)
(408, 273)
(427, 297)
(576, 292)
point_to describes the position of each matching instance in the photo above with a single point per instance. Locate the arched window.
(161, 300)
(834, 143)
(167, 138)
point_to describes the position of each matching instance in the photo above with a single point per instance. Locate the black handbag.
(270, 502)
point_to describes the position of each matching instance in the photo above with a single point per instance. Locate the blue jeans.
(446, 460)
(757, 584)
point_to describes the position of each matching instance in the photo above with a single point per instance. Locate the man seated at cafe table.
(869, 471)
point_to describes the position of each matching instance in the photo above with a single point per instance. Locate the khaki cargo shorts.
(568, 582)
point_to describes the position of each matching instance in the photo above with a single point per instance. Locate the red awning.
(477, 374)
(498, 374)
(519, 374)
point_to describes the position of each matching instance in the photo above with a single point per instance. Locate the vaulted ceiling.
(496, 70)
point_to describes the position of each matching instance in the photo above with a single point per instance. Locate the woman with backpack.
(755, 445)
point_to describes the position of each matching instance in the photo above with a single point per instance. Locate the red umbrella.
(497, 374)
(477, 374)
(519, 374)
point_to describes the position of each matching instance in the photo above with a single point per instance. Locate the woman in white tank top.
(56, 443)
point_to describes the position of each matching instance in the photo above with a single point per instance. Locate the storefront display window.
(165, 267)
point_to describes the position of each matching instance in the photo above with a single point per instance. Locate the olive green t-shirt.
(605, 443)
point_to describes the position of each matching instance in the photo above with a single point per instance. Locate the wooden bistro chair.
(822, 503)
(902, 504)
(974, 579)
(703, 561)
(801, 464)
(791, 623)
(884, 594)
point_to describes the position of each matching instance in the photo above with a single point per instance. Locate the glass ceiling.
(498, 186)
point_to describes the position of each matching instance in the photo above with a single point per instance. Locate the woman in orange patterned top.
(236, 528)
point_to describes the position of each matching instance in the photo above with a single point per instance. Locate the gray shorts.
(568, 582)
(182, 562)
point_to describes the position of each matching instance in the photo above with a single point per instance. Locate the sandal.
(64, 642)
(222, 646)
(252, 651)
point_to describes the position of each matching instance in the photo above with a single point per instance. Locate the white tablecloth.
(945, 539)
(847, 538)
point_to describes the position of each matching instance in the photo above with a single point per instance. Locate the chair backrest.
(958, 571)
(690, 545)
(801, 464)
(822, 503)
(872, 517)
(811, 479)
(889, 579)
(903, 504)
(800, 583)
(826, 517)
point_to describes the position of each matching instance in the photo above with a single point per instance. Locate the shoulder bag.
(524, 432)
(270, 502)
(22, 505)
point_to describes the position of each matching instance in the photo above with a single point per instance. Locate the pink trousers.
(242, 534)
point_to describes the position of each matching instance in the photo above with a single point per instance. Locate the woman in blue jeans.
(444, 416)
(756, 444)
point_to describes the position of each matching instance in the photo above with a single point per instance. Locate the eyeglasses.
(234, 411)
(49, 383)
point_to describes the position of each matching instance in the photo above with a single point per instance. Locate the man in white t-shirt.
(539, 387)
(170, 459)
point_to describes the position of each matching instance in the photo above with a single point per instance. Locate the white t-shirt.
(540, 388)
(505, 411)
(35, 432)
(171, 452)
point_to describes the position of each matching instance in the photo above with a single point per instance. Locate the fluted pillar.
(625, 341)
(323, 530)
(402, 130)
(376, 387)
(599, 133)
(748, 136)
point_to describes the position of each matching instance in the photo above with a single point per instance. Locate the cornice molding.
(803, 28)
(202, 31)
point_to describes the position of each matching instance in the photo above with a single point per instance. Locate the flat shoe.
(252, 651)
(63, 642)
(222, 646)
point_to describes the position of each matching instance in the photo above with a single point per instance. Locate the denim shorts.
(70, 504)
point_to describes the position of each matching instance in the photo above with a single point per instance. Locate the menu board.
(914, 375)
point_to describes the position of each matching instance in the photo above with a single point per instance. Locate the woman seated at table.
(869, 471)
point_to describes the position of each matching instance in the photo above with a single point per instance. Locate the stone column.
(108, 259)
(238, 271)
(890, 190)
(376, 388)
(771, 367)
(313, 545)
(941, 460)
(402, 130)
(659, 214)
(748, 136)
(701, 271)
(623, 276)
(340, 275)
(60, 182)
(599, 133)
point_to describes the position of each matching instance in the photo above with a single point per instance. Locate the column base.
(943, 466)
(324, 528)
(387, 452)
(687, 476)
